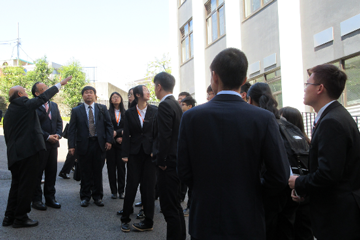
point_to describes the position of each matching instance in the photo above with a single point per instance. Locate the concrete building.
(282, 40)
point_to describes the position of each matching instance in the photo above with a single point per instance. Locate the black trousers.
(116, 170)
(69, 163)
(48, 163)
(140, 170)
(23, 181)
(91, 165)
(169, 187)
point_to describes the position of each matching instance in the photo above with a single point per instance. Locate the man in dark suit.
(223, 145)
(51, 126)
(24, 140)
(333, 183)
(91, 131)
(168, 121)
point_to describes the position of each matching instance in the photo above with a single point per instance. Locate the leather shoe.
(25, 223)
(39, 206)
(141, 227)
(139, 204)
(113, 196)
(53, 203)
(121, 195)
(120, 212)
(64, 175)
(141, 214)
(8, 221)
(84, 203)
(125, 227)
(99, 203)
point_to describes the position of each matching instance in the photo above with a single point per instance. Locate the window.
(274, 80)
(215, 20)
(252, 6)
(187, 45)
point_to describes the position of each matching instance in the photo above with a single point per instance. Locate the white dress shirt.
(142, 113)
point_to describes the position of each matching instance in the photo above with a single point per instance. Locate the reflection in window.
(252, 6)
(352, 90)
(215, 20)
(187, 42)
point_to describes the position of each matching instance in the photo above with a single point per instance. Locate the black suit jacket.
(119, 129)
(222, 146)
(333, 183)
(23, 134)
(167, 131)
(50, 126)
(79, 128)
(136, 137)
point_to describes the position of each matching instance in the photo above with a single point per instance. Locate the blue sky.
(119, 37)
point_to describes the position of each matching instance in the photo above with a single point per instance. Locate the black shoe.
(139, 204)
(53, 203)
(186, 212)
(141, 227)
(39, 206)
(141, 214)
(8, 221)
(113, 196)
(99, 203)
(120, 212)
(121, 195)
(64, 175)
(125, 227)
(84, 203)
(25, 223)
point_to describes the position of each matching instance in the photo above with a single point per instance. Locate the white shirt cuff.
(58, 85)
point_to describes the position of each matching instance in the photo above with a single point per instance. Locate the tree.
(72, 92)
(12, 76)
(41, 73)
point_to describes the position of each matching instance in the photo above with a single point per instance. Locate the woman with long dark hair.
(115, 165)
(130, 97)
(294, 116)
(137, 148)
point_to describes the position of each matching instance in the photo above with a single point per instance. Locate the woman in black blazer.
(137, 148)
(115, 165)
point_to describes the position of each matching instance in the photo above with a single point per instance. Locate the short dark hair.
(34, 89)
(331, 77)
(14, 96)
(88, 88)
(245, 87)
(186, 94)
(137, 90)
(261, 93)
(231, 66)
(209, 89)
(189, 101)
(166, 80)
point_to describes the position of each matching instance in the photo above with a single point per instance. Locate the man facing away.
(168, 121)
(51, 126)
(223, 145)
(24, 140)
(91, 131)
(333, 183)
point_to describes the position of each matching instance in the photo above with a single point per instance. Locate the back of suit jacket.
(79, 128)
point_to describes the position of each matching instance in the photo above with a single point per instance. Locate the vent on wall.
(350, 25)
(323, 37)
(254, 67)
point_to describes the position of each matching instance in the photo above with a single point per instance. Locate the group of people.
(230, 154)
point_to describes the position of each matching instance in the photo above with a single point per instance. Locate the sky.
(119, 37)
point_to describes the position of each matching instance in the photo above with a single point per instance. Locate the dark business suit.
(333, 183)
(91, 151)
(222, 146)
(168, 122)
(24, 140)
(137, 147)
(115, 165)
(48, 157)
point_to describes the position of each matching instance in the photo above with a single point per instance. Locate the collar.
(144, 110)
(170, 94)
(318, 116)
(92, 105)
(230, 92)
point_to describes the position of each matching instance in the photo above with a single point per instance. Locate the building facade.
(282, 40)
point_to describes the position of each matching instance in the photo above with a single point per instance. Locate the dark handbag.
(65, 132)
(77, 172)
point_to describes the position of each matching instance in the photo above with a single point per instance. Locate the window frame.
(190, 35)
(222, 5)
(262, 5)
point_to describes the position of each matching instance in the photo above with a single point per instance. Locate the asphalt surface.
(73, 221)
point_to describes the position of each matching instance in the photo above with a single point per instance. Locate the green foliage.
(41, 73)
(72, 91)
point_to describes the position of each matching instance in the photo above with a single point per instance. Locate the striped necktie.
(91, 122)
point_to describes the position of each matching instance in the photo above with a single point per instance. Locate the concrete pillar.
(174, 39)
(233, 24)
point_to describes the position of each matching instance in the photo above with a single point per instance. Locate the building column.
(233, 24)
(292, 73)
(174, 39)
(198, 10)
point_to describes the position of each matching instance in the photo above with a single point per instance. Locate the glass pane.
(182, 32)
(267, 1)
(270, 76)
(214, 26)
(352, 69)
(275, 86)
(183, 51)
(209, 27)
(222, 21)
(213, 5)
(278, 98)
(187, 47)
(260, 79)
(186, 28)
(208, 8)
(247, 8)
(220, 2)
(191, 26)
(191, 45)
(255, 5)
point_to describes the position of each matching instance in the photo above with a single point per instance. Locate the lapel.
(83, 114)
(97, 113)
(135, 115)
(326, 111)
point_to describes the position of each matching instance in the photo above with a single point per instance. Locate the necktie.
(91, 123)
(47, 109)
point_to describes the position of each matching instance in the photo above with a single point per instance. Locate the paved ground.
(73, 221)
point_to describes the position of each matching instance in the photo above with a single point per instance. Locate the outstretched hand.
(65, 81)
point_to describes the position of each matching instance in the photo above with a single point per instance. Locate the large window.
(215, 20)
(252, 6)
(274, 80)
(187, 43)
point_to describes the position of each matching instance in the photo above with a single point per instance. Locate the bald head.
(16, 91)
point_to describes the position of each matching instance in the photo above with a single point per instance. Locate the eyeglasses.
(307, 84)
(129, 95)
